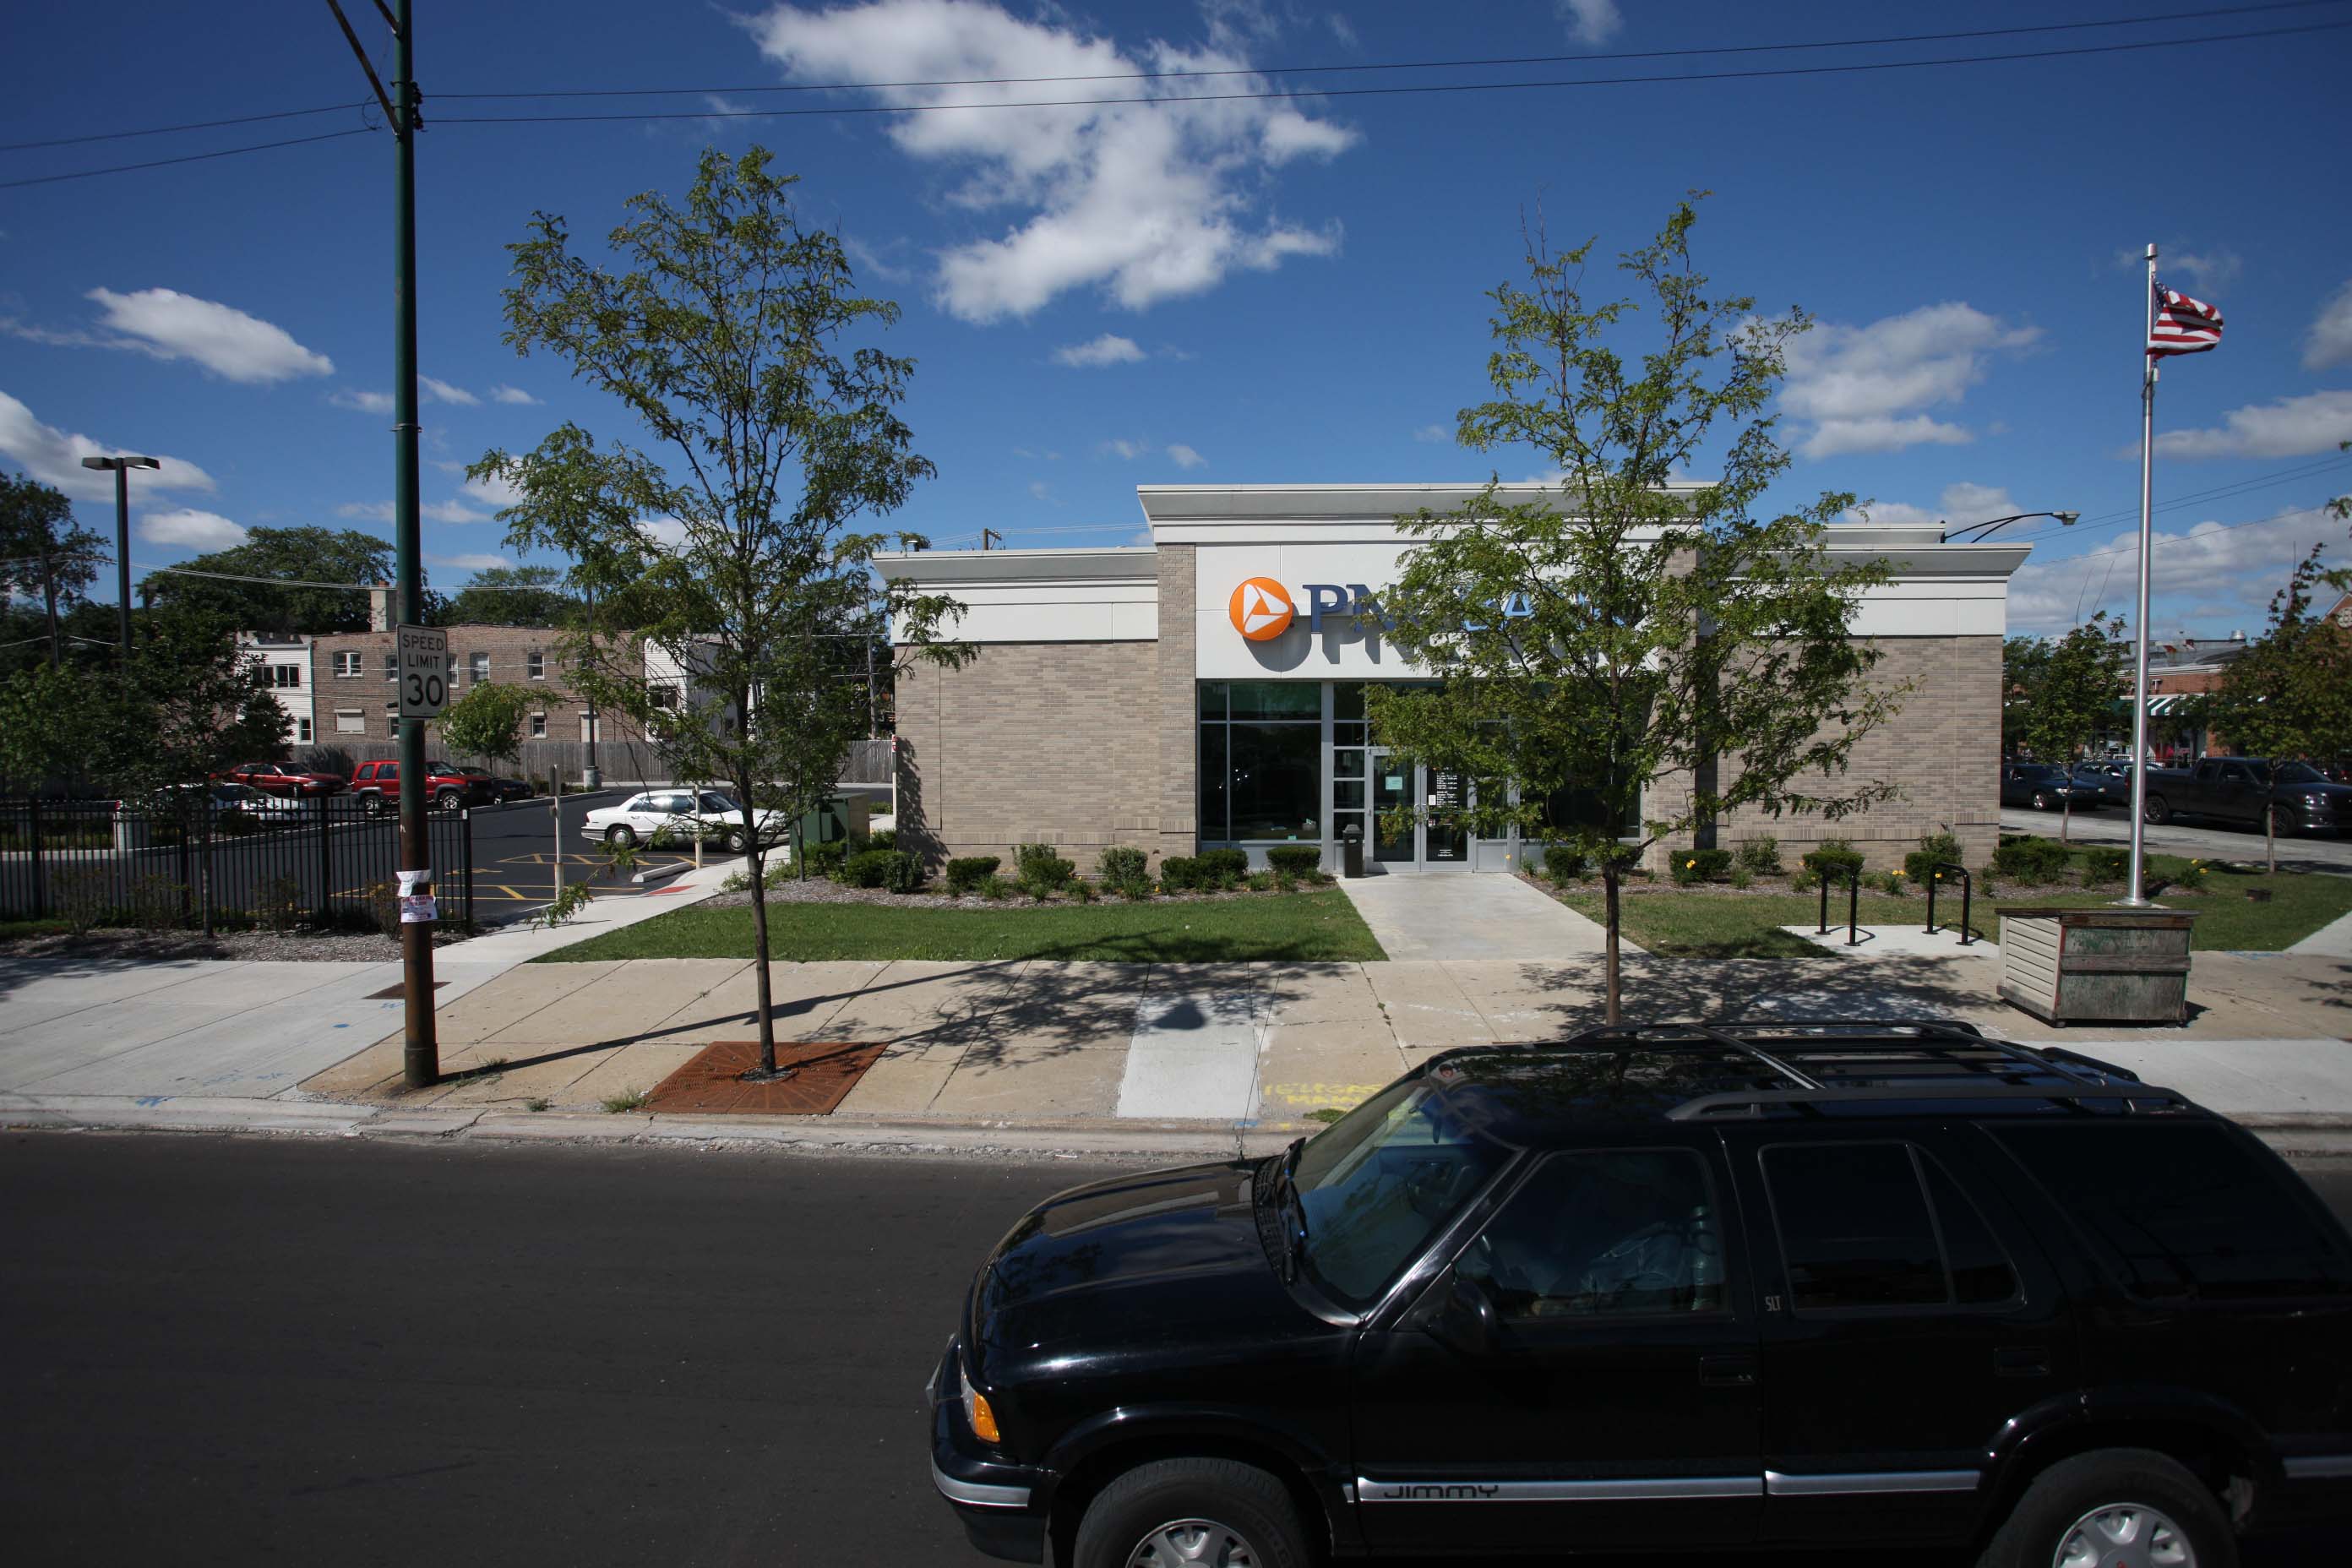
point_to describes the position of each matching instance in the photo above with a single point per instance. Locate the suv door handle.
(1727, 1372)
(2021, 1361)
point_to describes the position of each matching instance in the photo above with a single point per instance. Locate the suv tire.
(449, 800)
(2073, 1494)
(1171, 1503)
(2157, 810)
(2044, 801)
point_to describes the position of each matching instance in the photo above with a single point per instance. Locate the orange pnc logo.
(1261, 609)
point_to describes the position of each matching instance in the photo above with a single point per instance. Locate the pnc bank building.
(1206, 690)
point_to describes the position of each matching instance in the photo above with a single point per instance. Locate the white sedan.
(679, 814)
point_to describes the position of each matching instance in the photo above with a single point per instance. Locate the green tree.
(45, 555)
(486, 721)
(2074, 695)
(514, 596)
(2022, 662)
(2288, 698)
(1649, 643)
(188, 708)
(291, 556)
(724, 334)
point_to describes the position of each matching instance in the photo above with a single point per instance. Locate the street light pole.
(1952, 535)
(122, 467)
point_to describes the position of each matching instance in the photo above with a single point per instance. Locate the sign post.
(421, 674)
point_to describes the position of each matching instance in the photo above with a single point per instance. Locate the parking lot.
(2219, 841)
(516, 854)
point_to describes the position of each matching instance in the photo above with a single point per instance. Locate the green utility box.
(2110, 964)
(840, 817)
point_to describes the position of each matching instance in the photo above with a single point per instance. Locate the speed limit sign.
(423, 670)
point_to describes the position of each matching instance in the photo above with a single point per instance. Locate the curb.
(1065, 1137)
(2294, 1135)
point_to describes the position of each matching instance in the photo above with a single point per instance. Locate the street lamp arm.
(1984, 531)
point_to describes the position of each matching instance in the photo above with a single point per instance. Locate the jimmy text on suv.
(1684, 1289)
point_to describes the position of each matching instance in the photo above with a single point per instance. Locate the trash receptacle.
(1351, 851)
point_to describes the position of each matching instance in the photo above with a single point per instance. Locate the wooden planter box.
(2110, 965)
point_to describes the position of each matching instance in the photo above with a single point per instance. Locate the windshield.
(2300, 773)
(1381, 1181)
(720, 803)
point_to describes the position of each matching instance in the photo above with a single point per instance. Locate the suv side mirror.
(1466, 1318)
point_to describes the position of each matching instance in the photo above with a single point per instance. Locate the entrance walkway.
(1468, 915)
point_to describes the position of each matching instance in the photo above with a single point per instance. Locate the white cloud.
(54, 456)
(190, 528)
(1962, 505)
(1433, 432)
(1130, 450)
(1183, 457)
(226, 341)
(492, 492)
(477, 562)
(2290, 427)
(436, 391)
(1862, 385)
(1106, 350)
(431, 511)
(1040, 490)
(665, 532)
(1146, 201)
(366, 510)
(1589, 21)
(502, 393)
(2214, 573)
(2206, 269)
(2329, 341)
(364, 401)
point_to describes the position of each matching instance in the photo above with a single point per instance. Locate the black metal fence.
(323, 862)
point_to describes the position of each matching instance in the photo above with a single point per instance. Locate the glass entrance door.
(1446, 846)
(1392, 788)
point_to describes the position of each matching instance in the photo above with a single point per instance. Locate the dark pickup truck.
(2240, 789)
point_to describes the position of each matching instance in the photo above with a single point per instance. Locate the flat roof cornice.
(1299, 503)
(1125, 562)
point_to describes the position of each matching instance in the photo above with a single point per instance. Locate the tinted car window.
(1855, 1226)
(1379, 1182)
(1982, 1274)
(1619, 1231)
(2183, 1213)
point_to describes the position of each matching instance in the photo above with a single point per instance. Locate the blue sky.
(1245, 292)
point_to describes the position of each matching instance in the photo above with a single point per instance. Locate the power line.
(191, 125)
(1407, 65)
(190, 158)
(1433, 88)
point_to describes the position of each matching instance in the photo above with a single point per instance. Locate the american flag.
(2183, 325)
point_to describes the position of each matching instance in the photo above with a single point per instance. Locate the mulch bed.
(713, 1081)
(783, 890)
(323, 947)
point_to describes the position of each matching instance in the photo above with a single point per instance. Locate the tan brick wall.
(1178, 703)
(1943, 749)
(509, 648)
(1033, 742)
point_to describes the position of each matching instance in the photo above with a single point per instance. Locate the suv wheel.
(1175, 1512)
(620, 836)
(375, 806)
(2044, 801)
(449, 800)
(2114, 1508)
(2157, 811)
(2282, 822)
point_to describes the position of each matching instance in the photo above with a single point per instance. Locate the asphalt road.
(2217, 841)
(515, 850)
(317, 1352)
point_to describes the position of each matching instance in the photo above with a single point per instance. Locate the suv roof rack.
(1846, 1061)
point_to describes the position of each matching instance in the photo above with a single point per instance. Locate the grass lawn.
(1722, 924)
(1290, 927)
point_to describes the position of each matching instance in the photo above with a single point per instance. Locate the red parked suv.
(283, 779)
(378, 783)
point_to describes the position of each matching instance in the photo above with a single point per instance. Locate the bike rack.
(1967, 893)
(1853, 906)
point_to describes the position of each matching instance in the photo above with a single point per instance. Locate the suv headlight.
(976, 1413)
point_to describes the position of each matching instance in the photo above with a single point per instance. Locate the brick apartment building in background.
(354, 702)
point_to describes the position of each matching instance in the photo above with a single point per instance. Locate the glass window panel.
(1212, 699)
(2184, 1212)
(1855, 1230)
(1347, 765)
(1348, 700)
(1346, 795)
(1981, 1274)
(1214, 784)
(1346, 734)
(1278, 776)
(1301, 700)
(1625, 1231)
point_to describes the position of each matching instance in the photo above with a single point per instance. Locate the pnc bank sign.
(1263, 609)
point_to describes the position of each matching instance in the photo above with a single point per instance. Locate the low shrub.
(1804, 881)
(993, 887)
(1040, 872)
(1180, 873)
(82, 897)
(1760, 857)
(1222, 869)
(882, 838)
(1120, 864)
(1834, 858)
(2030, 860)
(1934, 849)
(827, 859)
(1895, 884)
(1267, 882)
(1135, 889)
(1694, 866)
(1741, 877)
(2104, 866)
(1561, 863)
(384, 903)
(1082, 891)
(1295, 859)
(892, 868)
(967, 873)
(279, 904)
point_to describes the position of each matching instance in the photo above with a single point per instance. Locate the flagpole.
(2138, 896)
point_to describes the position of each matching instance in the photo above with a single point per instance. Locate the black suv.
(1801, 1285)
